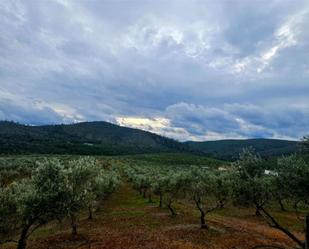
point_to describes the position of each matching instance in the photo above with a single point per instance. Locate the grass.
(176, 159)
(127, 220)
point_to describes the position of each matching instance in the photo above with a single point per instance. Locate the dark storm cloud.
(186, 69)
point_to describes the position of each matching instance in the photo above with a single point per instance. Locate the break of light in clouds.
(191, 70)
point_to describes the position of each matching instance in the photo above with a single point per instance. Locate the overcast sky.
(190, 70)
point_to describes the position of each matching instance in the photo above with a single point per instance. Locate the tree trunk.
(257, 212)
(203, 221)
(202, 212)
(22, 242)
(149, 198)
(295, 205)
(281, 206)
(73, 225)
(144, 193)
(90, 216)
(160, 201)
(221, 203)
(307, 231)
(276, 225)
(169, 206)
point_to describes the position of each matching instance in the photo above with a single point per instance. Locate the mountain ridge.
(229, 149)
(101, 137)
(98, 137)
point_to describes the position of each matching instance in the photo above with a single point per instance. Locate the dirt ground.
(127, 221)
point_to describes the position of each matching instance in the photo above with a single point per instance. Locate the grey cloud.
(239, 120)
(289, 121)
(34, 116)
(199, 119)
(208, 66)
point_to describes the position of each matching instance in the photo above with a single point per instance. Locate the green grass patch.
(127, 213)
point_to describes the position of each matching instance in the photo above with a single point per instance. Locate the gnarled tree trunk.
(257, 212)
(203, 221)
(160, 200)
(276, 225)
(90, 216)
(281, 206)
(202, 212)
(22, 242)
(73, 225)
(307, 231)
(169, 206)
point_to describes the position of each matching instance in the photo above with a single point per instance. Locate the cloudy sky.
(191, 70)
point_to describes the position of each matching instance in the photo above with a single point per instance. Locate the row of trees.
(247, 183)
(208, 190)
(55, 190)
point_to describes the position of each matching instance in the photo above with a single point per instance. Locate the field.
(127, 220)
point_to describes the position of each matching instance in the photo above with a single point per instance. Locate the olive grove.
(53, 191)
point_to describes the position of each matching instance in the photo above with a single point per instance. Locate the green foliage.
(209, 190)
(159, 183)
(54, 190)
(14, 168)
(88, 138)
(33, 202)
(102, 138)
(304, 148)
(175, 159)
(42, 189)
(293, 171)
(80, 174)
(8, 211)
(252, 187)
(230, 149)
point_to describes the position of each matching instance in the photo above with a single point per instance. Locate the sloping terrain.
(82, 138)
(230, 149)
(103, 138)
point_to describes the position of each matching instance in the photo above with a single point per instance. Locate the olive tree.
(142, 182)
(257, 189)
(80, 174)
(250, 187)
(101, 187)
(294, 171)
(305, 146)
(158, 185)
(30, 203)
(54, 191)
(209, 191)
(8, 213)
(177, 183)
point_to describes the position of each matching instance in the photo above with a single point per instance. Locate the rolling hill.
(82, 138)
(230, 149)
(103, 138)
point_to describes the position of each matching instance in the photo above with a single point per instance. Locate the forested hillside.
(230, 149)
(82, 138)
(103, 138)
